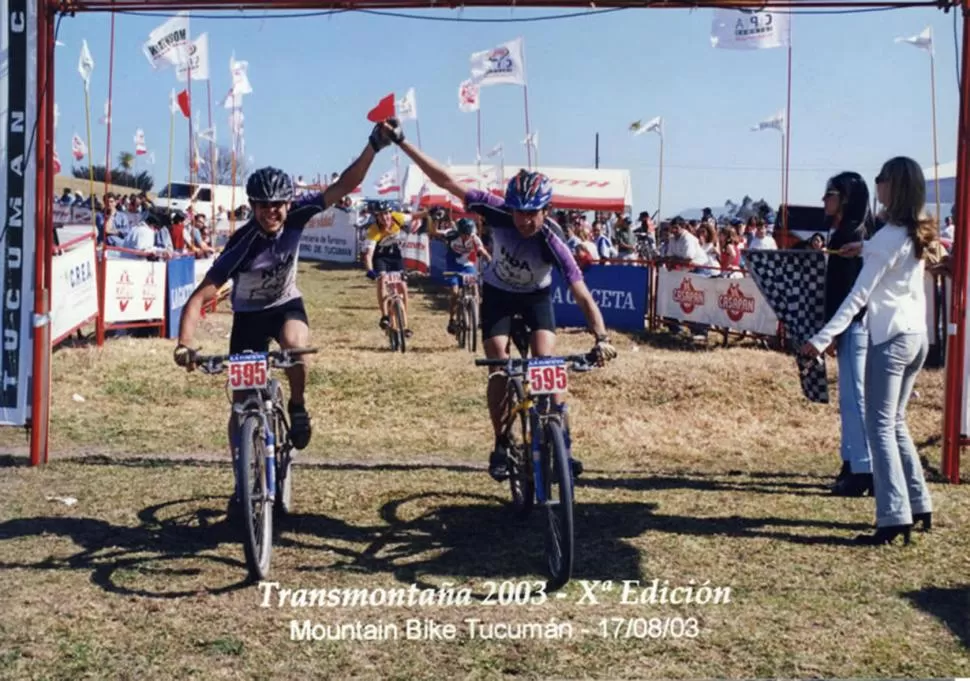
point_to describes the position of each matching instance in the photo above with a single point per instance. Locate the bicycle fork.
(536, 424)
(269, 442)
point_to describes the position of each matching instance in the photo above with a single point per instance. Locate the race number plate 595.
(548, 377)
(247, 372)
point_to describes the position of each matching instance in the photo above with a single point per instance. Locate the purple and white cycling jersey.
(521, 265)
(263, 266)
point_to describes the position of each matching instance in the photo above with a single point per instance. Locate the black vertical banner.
(18, 213)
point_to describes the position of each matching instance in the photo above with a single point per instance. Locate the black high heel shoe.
(926, 519)
(884, 535)
(854, 485)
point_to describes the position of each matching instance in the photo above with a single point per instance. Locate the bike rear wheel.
(472, 311)
(462, 323)
(558, 484)
(257, 509)
(521, 478)
(284, 466)
(398, 322)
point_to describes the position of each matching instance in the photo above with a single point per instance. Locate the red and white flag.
(57, 163)
(140, 148)
(78, 147)
(388, 184)
(468, 97)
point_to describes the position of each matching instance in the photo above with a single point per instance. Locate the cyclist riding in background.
(260, 258)
(527, 245)
(464, 247)
(382, 253)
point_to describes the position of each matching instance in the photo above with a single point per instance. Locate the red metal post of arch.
(43, 254)
(956, 361)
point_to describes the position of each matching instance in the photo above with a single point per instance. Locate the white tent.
(573, 188)
(948, 183)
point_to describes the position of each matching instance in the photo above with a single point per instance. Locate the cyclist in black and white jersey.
(260, 259)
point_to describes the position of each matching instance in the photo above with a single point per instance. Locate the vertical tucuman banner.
(18, 186)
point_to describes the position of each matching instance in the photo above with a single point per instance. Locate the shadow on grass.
(147, 560)
(708, 483)
(950, 606)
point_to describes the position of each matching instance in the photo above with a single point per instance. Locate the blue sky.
(858, 98)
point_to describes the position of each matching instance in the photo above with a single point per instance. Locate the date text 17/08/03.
(426, 629)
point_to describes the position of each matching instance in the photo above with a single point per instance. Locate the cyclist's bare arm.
(204, 293)
(584, 299)
(368, 259)
(433, 170)
(350, 178)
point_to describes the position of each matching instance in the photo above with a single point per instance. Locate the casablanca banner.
(729, 303)
(330, 235)
(18, 118)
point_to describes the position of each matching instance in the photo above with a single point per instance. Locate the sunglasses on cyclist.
(269, 204)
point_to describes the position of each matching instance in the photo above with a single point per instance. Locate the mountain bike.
(540, 447)
(394, 296)
(468, 304)
(262, 460)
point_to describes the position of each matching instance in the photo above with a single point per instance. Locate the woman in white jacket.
(891, 288)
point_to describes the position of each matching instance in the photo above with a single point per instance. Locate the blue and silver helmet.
(528, 191)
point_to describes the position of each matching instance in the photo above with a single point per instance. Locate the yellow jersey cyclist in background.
(464, 249)
(382, 253)
(526, 245)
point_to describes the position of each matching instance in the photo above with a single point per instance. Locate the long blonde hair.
(907, 198)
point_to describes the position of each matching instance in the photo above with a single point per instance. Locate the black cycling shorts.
(388, 263)
(253, 330)
(498, 308)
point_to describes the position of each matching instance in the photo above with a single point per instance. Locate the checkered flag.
(793, 283)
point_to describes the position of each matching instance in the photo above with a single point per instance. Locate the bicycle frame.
(262, 403)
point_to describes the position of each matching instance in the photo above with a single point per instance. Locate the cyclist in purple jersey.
(526, 245)
(260, 259)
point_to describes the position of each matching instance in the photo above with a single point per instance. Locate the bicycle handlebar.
(579, 362)
(278, 359)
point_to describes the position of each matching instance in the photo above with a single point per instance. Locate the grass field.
(704, 468)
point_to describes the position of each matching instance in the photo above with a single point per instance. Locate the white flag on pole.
(57, 115)
(924, 40)
(85, 64)
(78, 147)
(239, 70)
(653, 125)
(737, 30)
(468, 97)
(104, 120)
(140, 148)
(422, 192)
(151, 157)
(496, 150)
(776, 122)
(532, 140)
(209, 134)
(169, 43)
(502, 64)
(197, 60)
(173, 104)
(407, 107)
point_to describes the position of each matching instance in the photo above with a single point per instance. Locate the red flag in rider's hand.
(383, 111)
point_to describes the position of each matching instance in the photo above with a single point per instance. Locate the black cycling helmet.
(379, 206)
(269, 184)
(466, 226)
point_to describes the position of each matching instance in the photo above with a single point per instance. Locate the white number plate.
(392, 277)
(548, 377)
(247, 372)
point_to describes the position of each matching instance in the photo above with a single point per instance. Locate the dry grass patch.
(703, 466)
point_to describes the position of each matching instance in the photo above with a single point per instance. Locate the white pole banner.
(18, 184)
(331, 236)
(134, 290)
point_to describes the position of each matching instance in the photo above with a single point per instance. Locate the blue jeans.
(851, 347)
(897, 473)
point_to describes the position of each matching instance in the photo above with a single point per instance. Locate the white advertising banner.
(331, 236)
(201, 268)
(18, 170)
(134, 290)
(729, 303)
(74, 289)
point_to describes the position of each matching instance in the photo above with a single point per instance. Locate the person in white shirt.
(604, 247)
(141, 238)
(762, 239)
(891, 287)
(683, 248)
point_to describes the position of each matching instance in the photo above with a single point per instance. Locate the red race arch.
(48, 10)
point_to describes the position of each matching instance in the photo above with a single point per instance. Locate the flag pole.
(212, 154)
(660, 187)
(171, 152)
(417, 129)
(936, 160)
(87, 120)
(107, 145)
(478, 146)
(786, 147)
(528, 147)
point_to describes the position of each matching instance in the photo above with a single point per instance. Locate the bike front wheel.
(257, 509)
(398, 322)
(558, 485)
